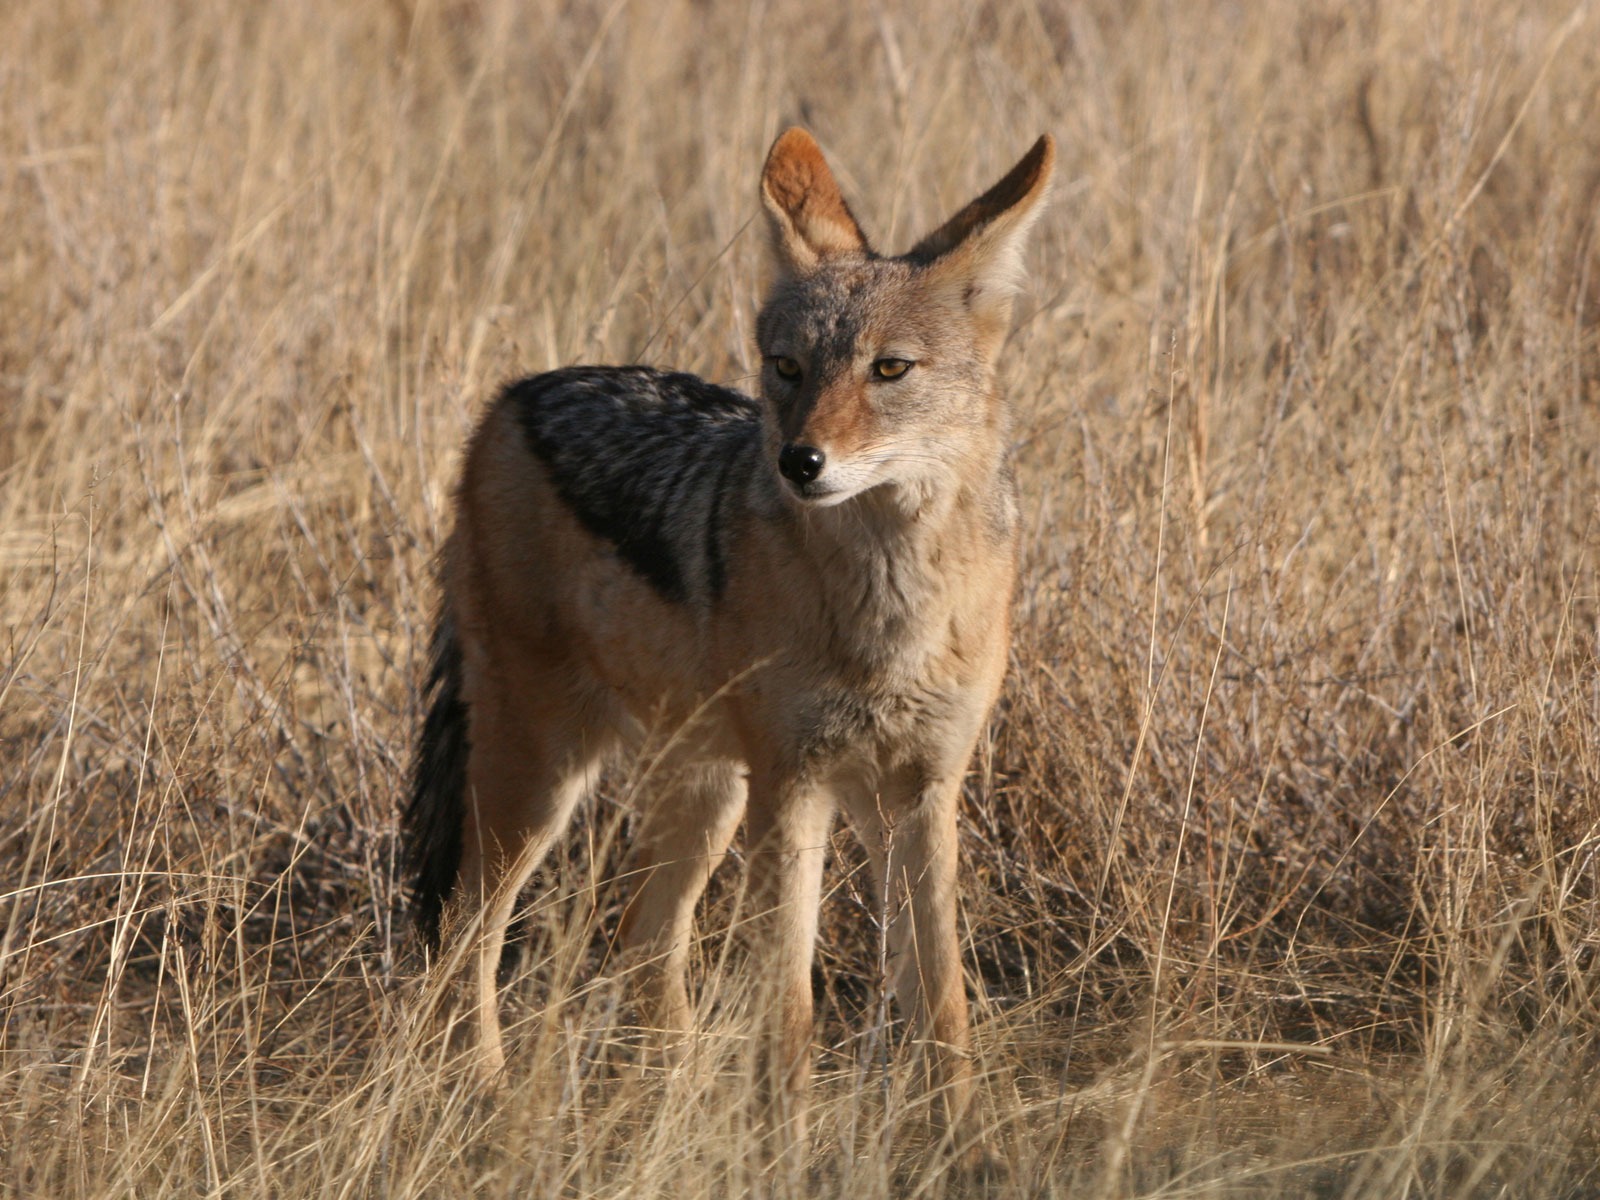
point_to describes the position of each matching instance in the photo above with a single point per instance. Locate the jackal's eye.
(891, 368)
(786, 368)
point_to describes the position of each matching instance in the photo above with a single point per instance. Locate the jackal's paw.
(976, 1170)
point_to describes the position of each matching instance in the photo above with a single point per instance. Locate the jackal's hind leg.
(530, 764)
(684, 837)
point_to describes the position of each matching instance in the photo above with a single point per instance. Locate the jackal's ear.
(980, 248)
(810, 220)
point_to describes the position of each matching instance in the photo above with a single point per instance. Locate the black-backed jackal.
(807, 593)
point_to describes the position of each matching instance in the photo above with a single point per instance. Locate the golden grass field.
(1282, 859)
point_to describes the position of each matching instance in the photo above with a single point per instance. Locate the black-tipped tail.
(431, 826)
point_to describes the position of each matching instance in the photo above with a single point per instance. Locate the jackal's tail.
(431, 825)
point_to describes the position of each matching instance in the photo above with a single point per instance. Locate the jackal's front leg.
(912, 841)
(788, 834)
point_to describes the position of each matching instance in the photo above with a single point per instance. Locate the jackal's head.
(881, 370)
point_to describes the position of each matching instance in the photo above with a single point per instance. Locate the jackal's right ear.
(810, 220)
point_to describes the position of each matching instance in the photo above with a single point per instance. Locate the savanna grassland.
(1281, 853)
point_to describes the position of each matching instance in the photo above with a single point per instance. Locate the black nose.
(800, 464)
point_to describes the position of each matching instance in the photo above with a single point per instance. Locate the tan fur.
(849, 660)
(813, 220)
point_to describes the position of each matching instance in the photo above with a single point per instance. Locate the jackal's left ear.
(810, 220)
(980, 248)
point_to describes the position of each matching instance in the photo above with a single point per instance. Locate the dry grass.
(1282, 854)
